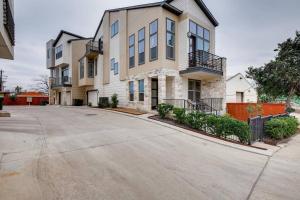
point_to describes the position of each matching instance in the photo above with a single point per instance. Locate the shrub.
(180, 115)
(280, 128)
(196, 120)
(163, 109)
(114, 101)
(103, 102)
(90, 104)
(290, 110)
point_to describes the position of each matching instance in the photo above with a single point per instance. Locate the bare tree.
(42, 84)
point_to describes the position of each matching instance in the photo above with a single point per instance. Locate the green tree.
(281, 76)
(18, 89)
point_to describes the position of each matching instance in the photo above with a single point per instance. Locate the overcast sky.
(247, 35)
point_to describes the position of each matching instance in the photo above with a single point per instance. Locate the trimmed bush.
(114, 101)
(180, 115)
(280, 128)
(103, 102)
(196, 120)
(164, 109)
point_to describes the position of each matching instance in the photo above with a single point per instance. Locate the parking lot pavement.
(79, 153)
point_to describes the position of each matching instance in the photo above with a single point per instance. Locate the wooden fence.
(240, 111)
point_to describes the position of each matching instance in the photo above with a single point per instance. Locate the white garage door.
(92, 98)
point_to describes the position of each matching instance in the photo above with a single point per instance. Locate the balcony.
(60, 82)
(92, 49)
(8, 21)
(204, 63)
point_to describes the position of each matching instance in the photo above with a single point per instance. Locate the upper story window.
(116, 68)
(81, 69)
(141, 41)
(153, 40)
(91, 69)
(141, 90)
(131, 51)
(200, 39)
(96, 67)
(114, 29)
(170, 50)
(59, 51)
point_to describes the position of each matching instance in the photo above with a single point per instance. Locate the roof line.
(68, 33)
(72, 40)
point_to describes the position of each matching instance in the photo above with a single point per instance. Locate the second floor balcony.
(204, 62)
(92, 49)
(64, 81)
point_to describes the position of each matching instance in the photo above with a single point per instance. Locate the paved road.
(79, 153)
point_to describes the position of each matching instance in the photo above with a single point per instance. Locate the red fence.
(240, 111)
(23, 101)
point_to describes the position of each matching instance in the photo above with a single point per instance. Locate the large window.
(114, 29)
(202, 37)
(65, 74)
(58, 52)
(131, 91)
(141, 90)
(170, 51)
(131, 51)
(81, 69)
(194, 90)
(141, 46)
(91, 69)
(153, 40)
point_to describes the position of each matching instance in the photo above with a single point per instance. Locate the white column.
(161, 88)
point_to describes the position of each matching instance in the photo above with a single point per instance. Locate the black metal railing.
(205, 60)
(92, 47)
(60, 82)
(206, 105)
(8, 21)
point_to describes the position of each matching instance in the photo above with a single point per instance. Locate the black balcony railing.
(206, 61)
(8, 21)
(60, 82)
(92, 48)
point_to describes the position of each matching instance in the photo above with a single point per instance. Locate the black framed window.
(131, 51)
(153, 40)
(141, 90)
(91, 69)
(58, 52)
(201, 35)
(116, 68)
(81, 69)
(170, 50)
(114, 29)
(131, 91)
(141, 41)
(112, 64)
(96, 68)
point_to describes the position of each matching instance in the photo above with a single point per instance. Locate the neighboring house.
(153, 53)
(7, 29)
(240, 90)
(63, 54)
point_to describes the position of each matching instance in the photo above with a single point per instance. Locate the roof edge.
(68, 33)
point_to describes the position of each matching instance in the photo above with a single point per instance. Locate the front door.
(194, 90)
(154, 94)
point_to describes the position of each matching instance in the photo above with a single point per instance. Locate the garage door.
(92, 98)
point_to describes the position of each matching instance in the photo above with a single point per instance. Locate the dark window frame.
(131, 95)
(172, 33)
(199, 37)
(141, 93)
(116, 68)
(96, 67)
(131, 65)
(112, 64)
(194, 89)
(59, 52)
(141, 41)
(81, 69)
(150, 35)
(114, 29)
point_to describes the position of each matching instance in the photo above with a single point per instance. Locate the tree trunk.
(289, 98)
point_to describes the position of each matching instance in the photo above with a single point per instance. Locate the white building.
(240, 90)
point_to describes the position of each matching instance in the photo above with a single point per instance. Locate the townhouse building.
(63, 54)
(154, 53)
(7, 29)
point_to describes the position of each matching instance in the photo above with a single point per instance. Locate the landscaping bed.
(127, 110)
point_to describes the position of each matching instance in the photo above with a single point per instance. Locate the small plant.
(114, 101)
(179, 115)
(103, 102)
(89, 104)
(164, 109)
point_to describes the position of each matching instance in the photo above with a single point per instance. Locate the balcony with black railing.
(202, 61)
(60, 82)
(8, 21)
(92, 49)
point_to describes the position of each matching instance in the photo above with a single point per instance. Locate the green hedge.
(280, 128)
(220, 126)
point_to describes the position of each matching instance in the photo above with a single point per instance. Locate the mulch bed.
(275, 142)
(127, 110)
(174, 123)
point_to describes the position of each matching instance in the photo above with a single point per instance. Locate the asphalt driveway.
(79, 153)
